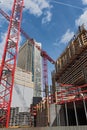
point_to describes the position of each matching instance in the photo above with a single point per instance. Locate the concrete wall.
(57, 117)
(23, 90)
(51, 128)
(53, 113)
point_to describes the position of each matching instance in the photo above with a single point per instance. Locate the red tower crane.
(43, 53)
(9, 62)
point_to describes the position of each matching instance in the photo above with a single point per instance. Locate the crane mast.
(9, 62)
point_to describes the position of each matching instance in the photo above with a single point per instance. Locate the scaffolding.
(19, 119)
(70, 105)
(71, 65)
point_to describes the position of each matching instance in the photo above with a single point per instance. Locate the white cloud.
(3, 41)
(67, 36)
(2, 21)
(82, 19)
(47, 18)
(35, 7)
(38, 8)
(56, 44)
(84, 2)
(6, 4)
(20, 41)
(2, 44)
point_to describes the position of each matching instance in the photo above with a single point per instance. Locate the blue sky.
(50, 22)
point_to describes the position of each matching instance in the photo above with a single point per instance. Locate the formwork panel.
(71, 66)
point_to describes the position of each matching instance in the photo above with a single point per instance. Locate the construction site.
(23, 78)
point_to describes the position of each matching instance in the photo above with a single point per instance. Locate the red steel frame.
(67, 93)
(70, 93)
(9, 62)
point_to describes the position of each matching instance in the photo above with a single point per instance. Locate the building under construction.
(21, 98)
(29, 59)
(67, 105)
(71, 65)
(71, 71)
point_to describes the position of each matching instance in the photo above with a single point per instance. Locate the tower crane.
(44, 55)
(9, 62)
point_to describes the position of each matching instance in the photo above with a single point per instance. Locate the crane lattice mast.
(9, 62)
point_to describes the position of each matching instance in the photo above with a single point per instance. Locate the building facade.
(37, 71)
(21, 98)
(23, 90)
(26, 56)
(29, 59)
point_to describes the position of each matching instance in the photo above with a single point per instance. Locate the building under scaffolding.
(71, 71)
(71, 66)
(67, 105)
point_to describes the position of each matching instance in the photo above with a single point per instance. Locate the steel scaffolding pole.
(67, 121)
(75, 113)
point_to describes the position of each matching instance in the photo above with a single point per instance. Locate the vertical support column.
(85, 109)
(59, 118)
(48, 111)
(57, 115)
(75, 113)
(67, 121)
